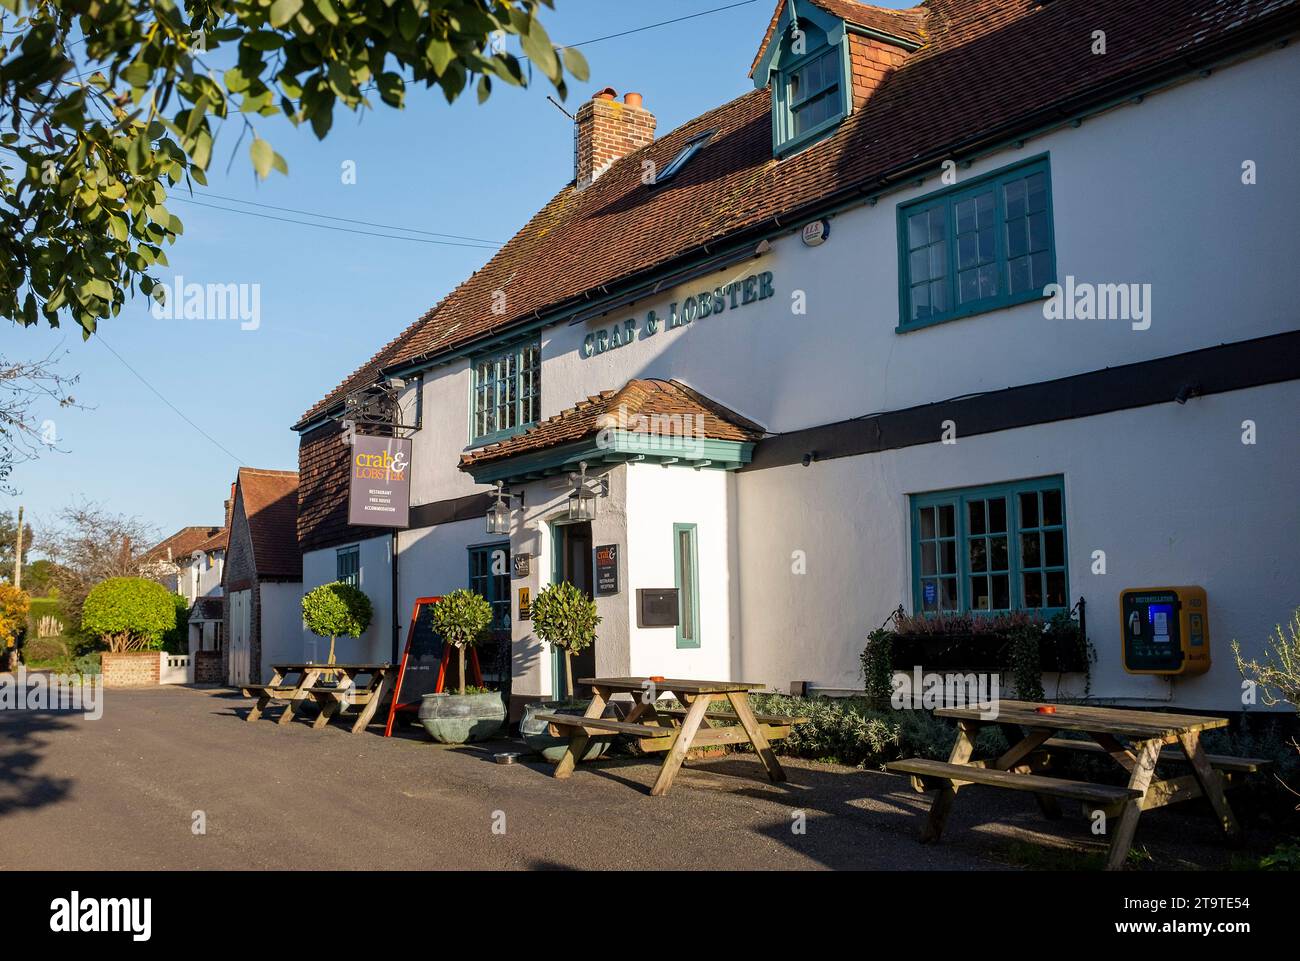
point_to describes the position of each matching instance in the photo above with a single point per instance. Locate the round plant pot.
(537, 736)
(462, 718)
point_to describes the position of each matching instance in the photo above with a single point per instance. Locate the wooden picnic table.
(332, 699)
(671, 730)
(1134, 739)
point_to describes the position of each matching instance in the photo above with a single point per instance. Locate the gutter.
(1098, 100)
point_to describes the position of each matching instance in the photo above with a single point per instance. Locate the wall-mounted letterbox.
(1166, 630)
(656, 607)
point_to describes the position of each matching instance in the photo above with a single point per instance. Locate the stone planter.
(550, 746)
(462, 718)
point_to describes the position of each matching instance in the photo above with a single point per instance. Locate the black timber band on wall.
(1213, 370)
(453, 509)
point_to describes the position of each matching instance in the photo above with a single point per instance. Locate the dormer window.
(808, 72)
(820, 66)
(814, 94)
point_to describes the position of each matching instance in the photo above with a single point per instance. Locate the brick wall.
(208, 667)
(136, 669)
(608, 130)
(871, 62)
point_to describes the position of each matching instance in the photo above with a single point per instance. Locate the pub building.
(760, 381)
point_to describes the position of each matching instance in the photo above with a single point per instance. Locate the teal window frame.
(493, 588)
(785, 140)
(688, 592)
(1028, 541)
(947, 201)
(347, 565)
(494, 390)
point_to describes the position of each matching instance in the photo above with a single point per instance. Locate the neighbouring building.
(171, 562)
(263, 577)
(980, 306)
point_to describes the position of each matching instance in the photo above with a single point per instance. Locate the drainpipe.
(397, 627)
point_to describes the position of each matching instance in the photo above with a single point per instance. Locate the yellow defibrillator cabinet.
(1166, 630)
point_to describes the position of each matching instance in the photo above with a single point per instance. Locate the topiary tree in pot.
(564, 616)
(336, 610)
(461, 618)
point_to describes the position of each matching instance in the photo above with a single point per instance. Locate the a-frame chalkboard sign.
(424, 663)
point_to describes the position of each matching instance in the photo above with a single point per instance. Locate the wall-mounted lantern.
(498, 515)
(584, 497)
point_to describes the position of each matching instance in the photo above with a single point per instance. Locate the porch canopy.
(652, 421)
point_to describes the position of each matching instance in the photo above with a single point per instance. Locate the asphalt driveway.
(123, 792)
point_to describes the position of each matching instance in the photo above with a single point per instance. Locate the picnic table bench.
(671, 730)
(332, 700)
(1133, 739)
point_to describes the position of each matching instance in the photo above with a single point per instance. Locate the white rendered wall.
(1147, 193)
(282, 630)
(375, 645)
(1170, 493)
(658, 498)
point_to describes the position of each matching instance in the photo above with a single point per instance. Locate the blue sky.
(329, 299)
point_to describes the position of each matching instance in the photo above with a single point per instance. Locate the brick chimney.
(607, 130)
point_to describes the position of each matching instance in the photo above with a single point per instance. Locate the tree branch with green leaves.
(107, 105)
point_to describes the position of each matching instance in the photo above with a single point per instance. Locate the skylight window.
(691, 148)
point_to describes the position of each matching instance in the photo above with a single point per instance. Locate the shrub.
(566, 617)
(14, 604)
(460, 618)
(921, 734)
(1277, 677)
(1025, 662)
(87, 664)
(42, 649)
(851, 730)
(129, 614)
(877, 671)
(177, 638)
(43, 615)
(336, 610)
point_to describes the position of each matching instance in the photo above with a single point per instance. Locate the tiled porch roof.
(660, 408)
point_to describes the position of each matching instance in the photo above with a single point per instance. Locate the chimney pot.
(605, 131)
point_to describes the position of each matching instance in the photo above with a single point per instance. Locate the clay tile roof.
(217, 542)
(207, 609)
(271, 506)
(181, 544)
(987, 72)
(640, 406)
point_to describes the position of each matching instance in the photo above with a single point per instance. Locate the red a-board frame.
(412, 707)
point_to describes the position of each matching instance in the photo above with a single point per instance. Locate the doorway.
(572, 562)
(240, 648)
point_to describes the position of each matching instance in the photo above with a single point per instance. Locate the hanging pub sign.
(607, 569)
(379, 488)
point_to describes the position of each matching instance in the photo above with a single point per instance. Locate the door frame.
(241, 627)
(558, 542)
